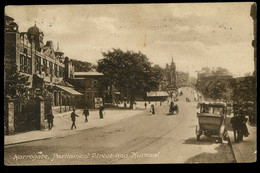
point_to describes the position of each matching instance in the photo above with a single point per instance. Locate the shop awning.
(157, 94)
(69, 90)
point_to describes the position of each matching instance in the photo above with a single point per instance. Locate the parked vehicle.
(211, 119)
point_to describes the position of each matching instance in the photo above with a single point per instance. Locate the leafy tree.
(220, 71)
(215, 86)
(16, 84)
(247, 74)
(82, 66)
(130, 72)
(206, 69)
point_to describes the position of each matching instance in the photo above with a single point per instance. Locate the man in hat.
(73, 119)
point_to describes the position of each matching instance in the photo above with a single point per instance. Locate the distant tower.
(173, 73)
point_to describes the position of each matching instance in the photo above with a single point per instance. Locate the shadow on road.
(221, 155)
(171, 114)
(203, 141)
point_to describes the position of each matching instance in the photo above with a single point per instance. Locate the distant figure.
(101, 108)
(134, 106)
(145, 105)
(239, 126)
(86, 113)
(171, 108)
(73, 119)
(50, 119)
(125, 104)
(152, 109)
(243, 126)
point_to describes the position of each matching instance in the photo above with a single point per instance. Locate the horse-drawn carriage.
(211, 119)
(174, 108)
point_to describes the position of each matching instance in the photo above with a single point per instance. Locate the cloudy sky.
(194, 35)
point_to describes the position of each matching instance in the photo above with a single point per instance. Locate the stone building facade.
(46, 67)
(89, 84)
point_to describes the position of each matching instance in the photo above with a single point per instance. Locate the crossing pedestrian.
(50, 119)
(86, 113)
(152, 109)
(101, 108)
(73, 119)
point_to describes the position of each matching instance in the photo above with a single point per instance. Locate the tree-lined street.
(123, 71)
(143, 138)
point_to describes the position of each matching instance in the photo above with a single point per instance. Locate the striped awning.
(69, 90)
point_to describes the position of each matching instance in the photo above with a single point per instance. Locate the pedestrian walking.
(145, 105)
(86, 113)
(235, 121)
(240, 128)
(244, 129)
(50, 120)
(73, 119)
(101, 108)
(152, 109)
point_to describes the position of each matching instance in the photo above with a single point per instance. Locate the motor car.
(212, 120)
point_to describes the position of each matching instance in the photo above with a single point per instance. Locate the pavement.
(62, 124)
(245, 151)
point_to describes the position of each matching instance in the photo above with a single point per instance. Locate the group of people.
(152, 110)
(173, 107)
(73, 116)
(239, 126)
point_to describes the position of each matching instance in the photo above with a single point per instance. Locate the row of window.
(47, 66)
(25, 64)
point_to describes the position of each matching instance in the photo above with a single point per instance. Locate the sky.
(194, 35)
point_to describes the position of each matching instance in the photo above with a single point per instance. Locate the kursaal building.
(47, 69)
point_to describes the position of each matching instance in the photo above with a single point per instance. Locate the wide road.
(141, 139)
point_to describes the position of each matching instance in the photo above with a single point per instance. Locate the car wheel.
(220, 140)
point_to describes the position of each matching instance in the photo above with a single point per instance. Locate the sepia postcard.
(157, 83)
